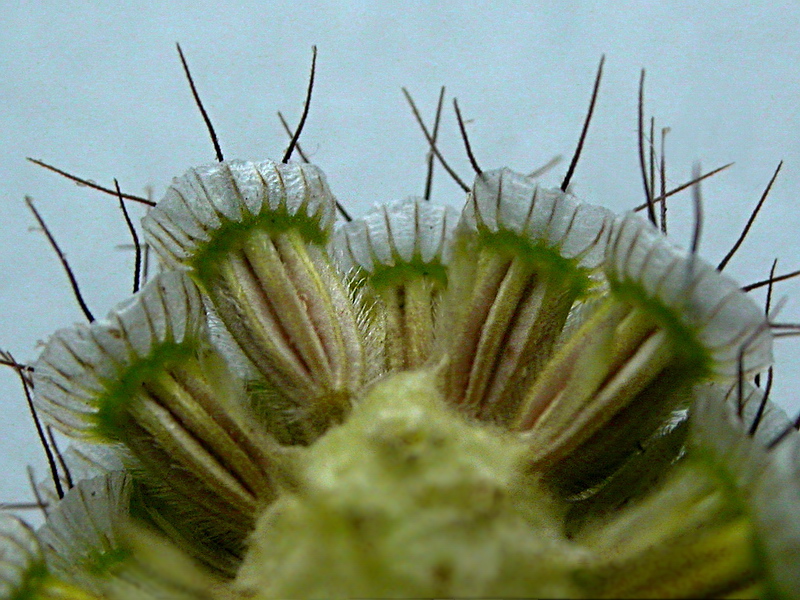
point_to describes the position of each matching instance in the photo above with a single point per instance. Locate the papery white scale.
(726, 321)
(20, 555)
(205, 198)
(503, 200)
(393, 233)
(79, 364)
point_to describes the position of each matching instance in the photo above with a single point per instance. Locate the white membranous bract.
(536, 398)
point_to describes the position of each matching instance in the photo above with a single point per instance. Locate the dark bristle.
(61, 462)
(786, 334)
(137, 265)
(723, 263)
(582, 139)
(7, 362)
(26, 388)
(146, 263)
(342, 210)
(465, 138)
(89, 184)
(663, 175)
(73, 282)
(290, 133)
(199, 103)
(682, 187)
(697, 202)
(429, 155)
(768, 303)
(432, 142)
(763, 404)
(740, 381)
(306, 107)
(648, 194)
(758, 284)
(652, 152)
(785, 326)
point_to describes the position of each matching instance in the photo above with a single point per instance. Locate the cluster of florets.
(536, 397)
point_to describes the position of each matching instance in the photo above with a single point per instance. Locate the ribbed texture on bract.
(399, 232)
(79, 365)
(20, 556)
(727, 322)
(502, 200)
(86, 529)
(206, 198)
(768, 481)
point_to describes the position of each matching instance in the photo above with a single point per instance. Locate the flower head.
(538, 398)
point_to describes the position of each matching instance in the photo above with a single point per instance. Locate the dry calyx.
(532, 399)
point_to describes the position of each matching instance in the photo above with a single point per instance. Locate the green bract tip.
(86, 373)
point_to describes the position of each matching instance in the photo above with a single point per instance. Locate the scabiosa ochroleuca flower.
(537, 398)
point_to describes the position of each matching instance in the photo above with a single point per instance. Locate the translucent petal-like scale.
(411, 231)
(79, 366)
(147, 377)
(504, 201)
(209, 198)
(86, 530)
(21, 559)
(522, 256)
(427, 423)
(669, 320)
(254, 235)
(399, 252)
(710, 305)
(767, 479)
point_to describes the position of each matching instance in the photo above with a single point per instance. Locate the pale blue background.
(99, 91)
